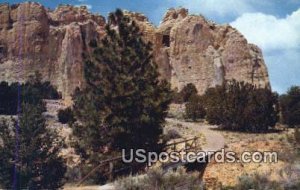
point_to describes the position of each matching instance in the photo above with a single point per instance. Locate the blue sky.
(273, 25)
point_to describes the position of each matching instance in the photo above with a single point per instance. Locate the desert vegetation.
(158, 179)
(66, 116)
(185, 94)
(194, 108)
(29, 151)
(290, 107)
(124, 104)
(261, 182)
(242, 106)
(31, 92)
(236, 106)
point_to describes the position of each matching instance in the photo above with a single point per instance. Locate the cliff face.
(51, 42)
(204, 53)
(188, 49)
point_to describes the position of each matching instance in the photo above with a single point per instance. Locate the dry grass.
(282, 142)
(160, 180)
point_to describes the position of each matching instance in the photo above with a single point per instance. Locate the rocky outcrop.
(187, 48)
(51, 42)
(201, 52)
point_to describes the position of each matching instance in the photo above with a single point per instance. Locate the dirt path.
(103, 187)
(214, 140)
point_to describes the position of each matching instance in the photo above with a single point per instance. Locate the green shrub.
(188, 91)
(297, 135)
(73, 174)
(176, 97)
(262, 182)
(194, 108)
(32, 92)
(241, 106)
(290, 107)
(66, 116)
(292, 185)
(39, 164)
(172, 134)
(215, 104)
(176, 111)
(157, 179)
(185, 94)
(257, 182)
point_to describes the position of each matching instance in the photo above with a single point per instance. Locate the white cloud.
(279, 39)
(269, 32)
(87, 6)
(216, 7)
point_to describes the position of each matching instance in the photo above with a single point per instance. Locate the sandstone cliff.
(51, 42)
(204, 53)
(187, 48)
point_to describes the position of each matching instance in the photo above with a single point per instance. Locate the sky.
(273, 25)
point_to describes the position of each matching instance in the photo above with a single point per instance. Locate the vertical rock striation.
(51, 42)
(187, 48)
(204, 53)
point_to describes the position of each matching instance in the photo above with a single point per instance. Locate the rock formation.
(51, 42)
(187, 48)
(204, 53)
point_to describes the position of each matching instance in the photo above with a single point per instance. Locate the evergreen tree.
(32, 92)
(8, 98)
(261, 111)
(65, 116)
(290, 107)
(185, 94)
(241, 106)
(38, 165)
(215, 104)
(123, 104)
(188, 91)
(195, 108)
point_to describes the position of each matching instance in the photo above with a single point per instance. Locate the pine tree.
(123, 104)
(38, 165)
(32, 92)
(185, 94)
(188, 91)
(194, 108)
(214, 99)
(241, 106)
(290, 107)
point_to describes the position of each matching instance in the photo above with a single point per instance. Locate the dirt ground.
(228, 174)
